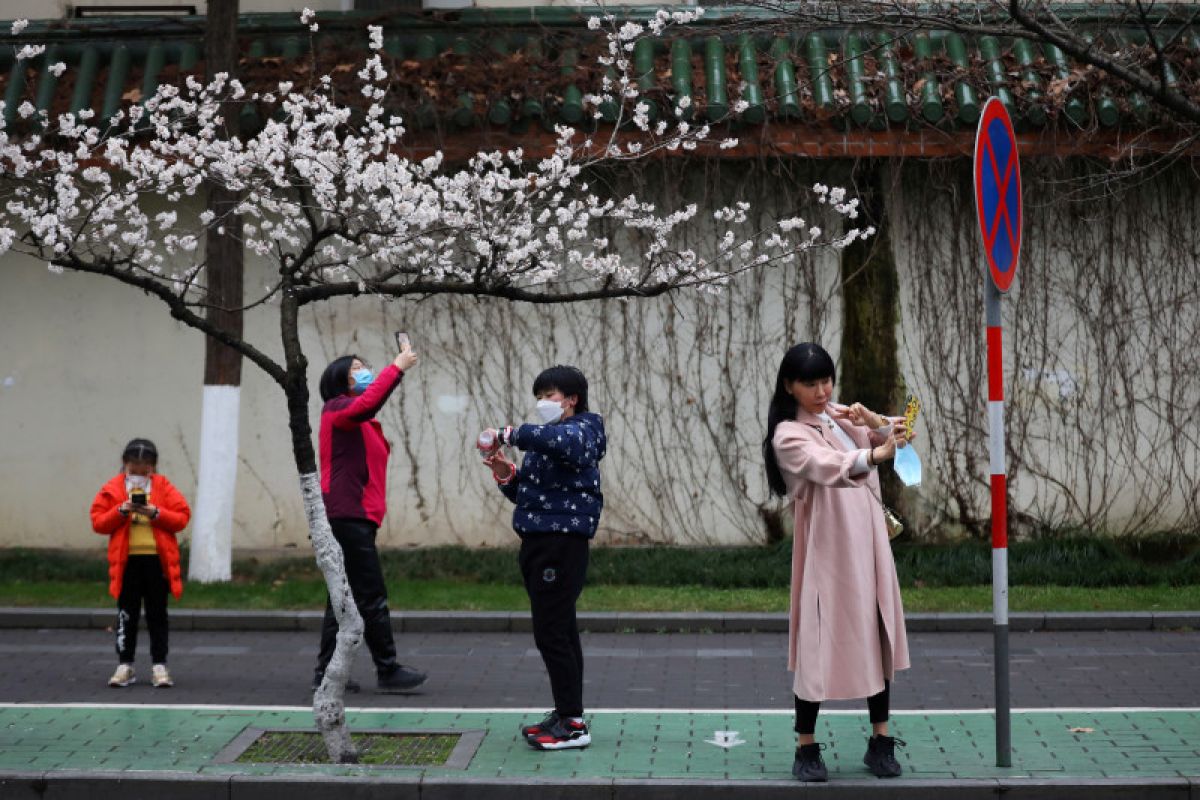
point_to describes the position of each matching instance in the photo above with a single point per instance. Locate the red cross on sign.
(998, 192)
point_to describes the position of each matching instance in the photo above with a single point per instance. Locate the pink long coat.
(846, 628)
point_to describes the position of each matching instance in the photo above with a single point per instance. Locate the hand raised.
(406, 360)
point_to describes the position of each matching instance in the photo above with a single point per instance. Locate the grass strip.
(1077, 561)
(463, 596)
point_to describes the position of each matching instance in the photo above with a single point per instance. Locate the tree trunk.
(870, 370)
(329, 707)
(211, 557)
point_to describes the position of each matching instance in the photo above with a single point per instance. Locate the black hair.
(804, 362)
(335, 380)
(568, 380)
(140, 450)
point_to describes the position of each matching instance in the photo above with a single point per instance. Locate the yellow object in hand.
(911, 409)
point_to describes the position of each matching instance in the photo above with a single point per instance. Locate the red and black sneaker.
(562, 734)
(541, 727)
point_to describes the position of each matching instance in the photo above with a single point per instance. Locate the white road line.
(766, 712)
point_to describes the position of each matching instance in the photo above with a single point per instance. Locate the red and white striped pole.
(999, 481)
(998, 207)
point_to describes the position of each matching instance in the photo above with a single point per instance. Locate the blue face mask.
(908, 466)
(362, 379)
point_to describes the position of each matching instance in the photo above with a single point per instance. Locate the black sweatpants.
(363, 571)
(144, 582)
(554, 566)
(878, 706)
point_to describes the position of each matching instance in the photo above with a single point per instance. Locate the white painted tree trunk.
(211, 558)
(329, 706)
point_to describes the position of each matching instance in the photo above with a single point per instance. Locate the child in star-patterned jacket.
(558, 503)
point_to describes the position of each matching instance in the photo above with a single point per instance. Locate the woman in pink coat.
(846, 633)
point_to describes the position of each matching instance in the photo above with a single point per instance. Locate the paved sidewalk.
(64, 735)
(1156, 750)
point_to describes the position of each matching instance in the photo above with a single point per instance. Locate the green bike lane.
(1067, 747)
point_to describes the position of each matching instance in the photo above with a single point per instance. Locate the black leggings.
(877, 706)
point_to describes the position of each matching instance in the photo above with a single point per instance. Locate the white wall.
(683, 382)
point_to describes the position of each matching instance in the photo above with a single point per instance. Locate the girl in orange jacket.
(140, 512)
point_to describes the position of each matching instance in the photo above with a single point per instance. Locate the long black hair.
(804, 362)
(568, 380)
(335, 380)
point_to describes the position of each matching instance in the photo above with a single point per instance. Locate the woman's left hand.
(149, 510)
(902, 434)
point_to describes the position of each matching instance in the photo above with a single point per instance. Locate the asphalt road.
(642, 671)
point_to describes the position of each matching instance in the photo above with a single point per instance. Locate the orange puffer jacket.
(173, 516)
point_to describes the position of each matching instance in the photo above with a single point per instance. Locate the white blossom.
(30, 51)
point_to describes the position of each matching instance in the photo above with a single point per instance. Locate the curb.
(87, 785)
(599, 621)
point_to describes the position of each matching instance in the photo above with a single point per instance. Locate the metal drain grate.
(376, 748)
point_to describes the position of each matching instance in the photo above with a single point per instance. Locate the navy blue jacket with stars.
(557, 488)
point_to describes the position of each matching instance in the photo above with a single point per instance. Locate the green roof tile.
(518, 68)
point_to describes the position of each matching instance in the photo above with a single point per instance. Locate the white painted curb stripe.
(771, 712)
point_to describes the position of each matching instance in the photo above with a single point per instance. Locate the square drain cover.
(448, 749)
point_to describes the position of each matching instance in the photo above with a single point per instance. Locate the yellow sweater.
(141, 535)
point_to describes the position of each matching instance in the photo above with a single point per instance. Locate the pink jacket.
(846, 627)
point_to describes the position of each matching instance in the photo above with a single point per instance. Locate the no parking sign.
(998, 193)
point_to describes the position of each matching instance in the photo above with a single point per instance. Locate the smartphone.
(911, 409)
(137, 497)
(402, 340)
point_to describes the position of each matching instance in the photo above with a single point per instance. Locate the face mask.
(137, 481)
(908, 466)
(362, 379)
(549, 411)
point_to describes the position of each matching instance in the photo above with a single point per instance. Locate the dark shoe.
(562, 734)
(401, 679)
(351, 684)
(541, 727)
(809, 766)
(881, 756)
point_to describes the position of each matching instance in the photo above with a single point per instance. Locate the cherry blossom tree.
(328, 197)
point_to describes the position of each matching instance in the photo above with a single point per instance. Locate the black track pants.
(554, 566)
(144, 582)
(363, 570)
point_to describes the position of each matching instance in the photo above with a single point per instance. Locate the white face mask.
(549, 411)
(137, 481)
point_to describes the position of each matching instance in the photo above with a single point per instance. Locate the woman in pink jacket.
(846, 630)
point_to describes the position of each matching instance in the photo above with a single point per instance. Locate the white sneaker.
(160, 678)
(122, 677)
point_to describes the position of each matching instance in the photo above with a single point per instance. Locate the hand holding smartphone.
(406, 359)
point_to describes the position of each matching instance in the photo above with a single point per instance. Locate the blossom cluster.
(326, 193)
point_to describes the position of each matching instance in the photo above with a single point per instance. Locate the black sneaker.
(401, 679)
(881, 756)
(809, 766)
(541, 727)
(562, 734)
(351, 684)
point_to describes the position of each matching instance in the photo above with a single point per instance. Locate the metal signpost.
(998, 206)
